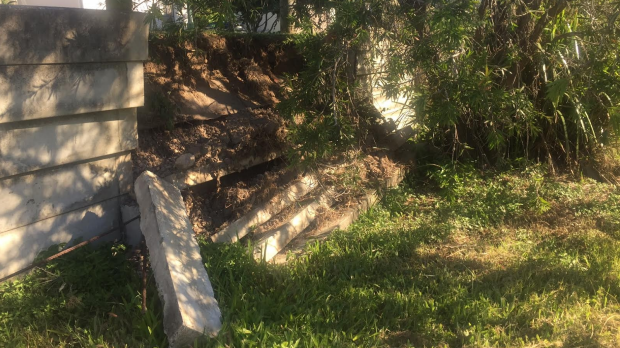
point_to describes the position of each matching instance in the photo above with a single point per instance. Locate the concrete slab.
(41, 91)
(258, 216)
(275, 240)
(37, 144)
(44, 35)
(44, 194)
(133, 233)
(19, 247)
(342, 221)
(190, 308)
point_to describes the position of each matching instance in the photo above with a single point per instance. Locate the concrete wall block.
(33, 145)
(42, 91)
(30, 198)
(44, 35)
(190, 308)
(133, 233)
(19, 247)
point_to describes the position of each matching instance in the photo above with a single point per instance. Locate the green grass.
(458, 260)
(88, 298)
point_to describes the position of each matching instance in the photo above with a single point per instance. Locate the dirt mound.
(214, 76)
(214, 98)
(254, 132)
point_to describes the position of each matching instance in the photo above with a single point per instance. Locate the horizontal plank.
(19, 247)
(30, 198)
(33, 145)
(43, 91)
(46, 35)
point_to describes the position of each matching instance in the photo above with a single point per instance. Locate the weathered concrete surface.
(240, 228)
(43, 35)
(70, 80)
(133, 233)
(276, 239)
(190, 308)
(40, 91)
(33, 145)
(343, 220)
(29, 198)
(19, 247)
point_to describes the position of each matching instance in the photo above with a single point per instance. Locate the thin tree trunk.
(285, 26)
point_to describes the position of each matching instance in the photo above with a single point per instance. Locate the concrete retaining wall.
(70, 83)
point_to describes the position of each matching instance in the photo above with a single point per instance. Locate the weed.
(164, 108)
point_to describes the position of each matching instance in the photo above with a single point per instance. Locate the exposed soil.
(214, 205)
(213, 98)
(256, 132)
(214, 76)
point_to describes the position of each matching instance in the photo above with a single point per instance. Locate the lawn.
(455, 259)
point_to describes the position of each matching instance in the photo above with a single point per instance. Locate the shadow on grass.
(89, 297)
(376, 288)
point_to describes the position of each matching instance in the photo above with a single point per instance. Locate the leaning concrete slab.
(276, 239)
(190, 308)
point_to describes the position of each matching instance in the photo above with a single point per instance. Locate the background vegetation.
(488, 80)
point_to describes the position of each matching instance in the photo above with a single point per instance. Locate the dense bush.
(495, 80)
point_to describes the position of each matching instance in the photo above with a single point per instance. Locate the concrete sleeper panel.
(190, 308)
(276, 239)
(34, 145)
(19, 247)
(241, 227)
(200, 175)
(46, 35)
(40, 195)
(42, 91)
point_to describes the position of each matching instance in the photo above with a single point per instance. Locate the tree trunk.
(285, 26)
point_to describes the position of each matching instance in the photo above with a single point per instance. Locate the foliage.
(486, 267)
(322, 102)
(455, 257)
(87, 298)
(513, 79)
(210, 14)
(492, 80)
(163, 108)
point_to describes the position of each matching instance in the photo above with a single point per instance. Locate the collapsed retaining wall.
(70, 83)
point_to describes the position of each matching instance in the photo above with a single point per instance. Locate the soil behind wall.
(214, 76)
(214, 97)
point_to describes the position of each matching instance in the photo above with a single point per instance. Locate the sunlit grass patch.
(487, 260)
(509, 259)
